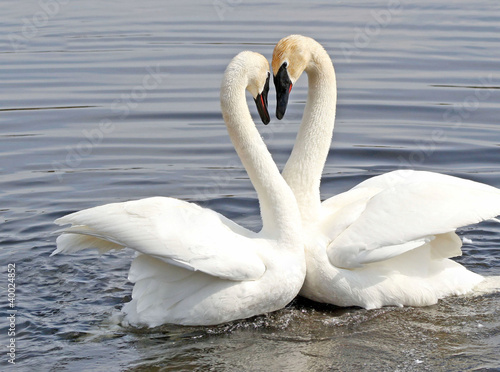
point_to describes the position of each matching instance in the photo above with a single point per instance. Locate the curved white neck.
(280, 214)
(304, 167)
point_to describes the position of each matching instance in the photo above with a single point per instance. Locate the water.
(118, 100)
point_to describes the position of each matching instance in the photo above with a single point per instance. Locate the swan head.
(258, 85)
(291, 56)
(252, 69)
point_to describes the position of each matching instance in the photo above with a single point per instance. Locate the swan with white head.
(194, 266)
(387, 241)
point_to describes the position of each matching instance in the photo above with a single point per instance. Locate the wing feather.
(177, 232)
(397, 212)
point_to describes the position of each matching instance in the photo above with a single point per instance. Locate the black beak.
(283, 86)
(261, 102)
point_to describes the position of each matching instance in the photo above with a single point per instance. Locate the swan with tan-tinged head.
(194, 266)
(387, 241)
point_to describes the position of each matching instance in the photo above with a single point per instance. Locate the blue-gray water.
(104, 101)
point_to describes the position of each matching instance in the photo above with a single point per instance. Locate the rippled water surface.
(104, 101)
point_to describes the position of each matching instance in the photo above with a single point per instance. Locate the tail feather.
(491, 284)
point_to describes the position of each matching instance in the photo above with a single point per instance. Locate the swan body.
(194, 266)
(387, 241)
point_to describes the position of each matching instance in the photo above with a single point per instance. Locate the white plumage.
(388, 240)
(194, 266)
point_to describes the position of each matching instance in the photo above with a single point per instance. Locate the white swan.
(196, 267)
(388, 240)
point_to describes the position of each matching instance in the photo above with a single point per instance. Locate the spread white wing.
(390, 214)
(174, 231)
